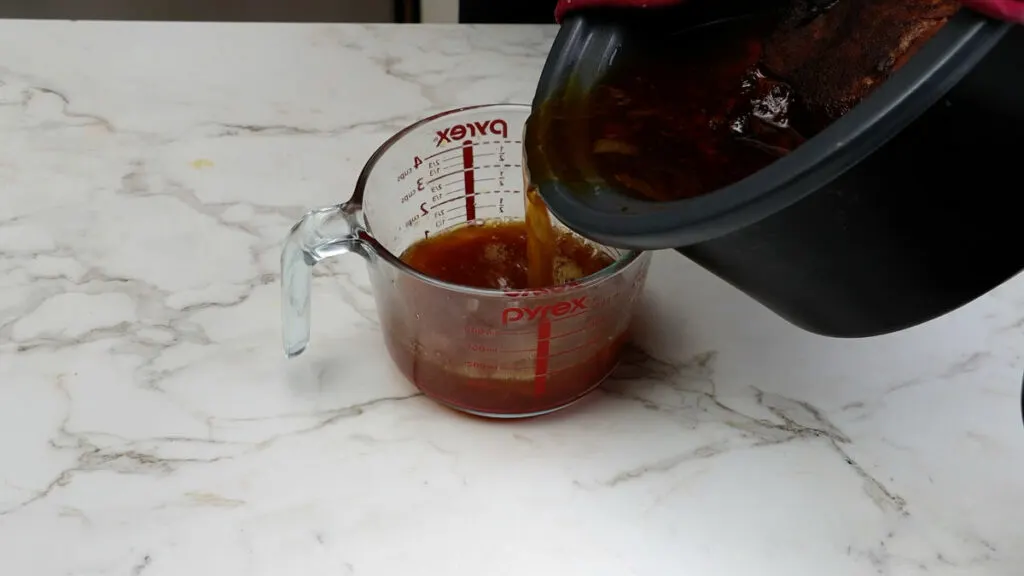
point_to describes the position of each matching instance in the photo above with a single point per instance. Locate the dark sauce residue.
(685, 115)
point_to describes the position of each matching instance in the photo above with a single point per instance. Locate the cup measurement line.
(458, 161)
(588, 344)
(481, 143)
(500, 332)
(426, 209)
(456, 197)
(542, 371)
(446, 191)
(516, 368)
(453, 215)
(497, 332)
(479, 348)
(468, 167)
(447, 174)
(448, 194)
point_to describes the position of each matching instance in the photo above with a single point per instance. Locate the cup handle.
(321, 234)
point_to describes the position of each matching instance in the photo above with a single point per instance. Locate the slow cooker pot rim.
(637, 224)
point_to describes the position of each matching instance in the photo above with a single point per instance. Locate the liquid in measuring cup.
(527, 356)
(496, 254)
(486, 303)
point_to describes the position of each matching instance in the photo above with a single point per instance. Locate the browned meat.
(695, 113)
(835, 52)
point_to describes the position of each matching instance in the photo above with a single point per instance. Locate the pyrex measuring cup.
(487, 352)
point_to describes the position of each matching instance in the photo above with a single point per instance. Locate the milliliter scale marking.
(545, 334)
(443, 171)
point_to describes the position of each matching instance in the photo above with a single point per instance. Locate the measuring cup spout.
(321, 234)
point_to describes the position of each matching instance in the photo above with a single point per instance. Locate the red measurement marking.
(436, 154)
(572, 332)
(540, 370)
(481, 331)
(588, 344)
(467, 164)
(452, 173)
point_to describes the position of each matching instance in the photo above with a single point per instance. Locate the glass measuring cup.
(512, 353)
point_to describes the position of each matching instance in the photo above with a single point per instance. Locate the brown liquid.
(500, 255)
(541, 240)
(672, 125)
(497, 355)
(443, 380)
(686, 115)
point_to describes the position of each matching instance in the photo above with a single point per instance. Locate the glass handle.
(320, 234)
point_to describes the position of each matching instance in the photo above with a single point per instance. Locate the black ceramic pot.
(901, 211)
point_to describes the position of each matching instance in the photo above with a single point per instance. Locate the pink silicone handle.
(566, 6)
(1009, 10)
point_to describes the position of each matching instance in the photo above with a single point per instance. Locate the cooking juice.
(506, 255)
(535, 348)
(684, 113)
(499, 366)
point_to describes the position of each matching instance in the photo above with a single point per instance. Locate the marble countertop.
(151, 426)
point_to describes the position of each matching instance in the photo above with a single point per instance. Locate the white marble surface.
(150, 425)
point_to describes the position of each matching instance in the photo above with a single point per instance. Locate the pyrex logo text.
(452, 134)
(515, 314)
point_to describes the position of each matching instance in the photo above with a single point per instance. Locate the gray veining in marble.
(150, 425)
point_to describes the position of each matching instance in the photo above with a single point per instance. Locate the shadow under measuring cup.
(496, 353)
